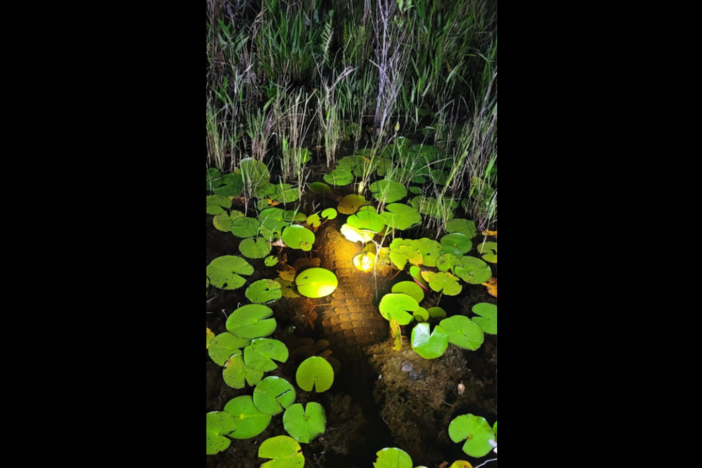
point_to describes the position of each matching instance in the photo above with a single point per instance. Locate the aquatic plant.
(304, 424)
(273, 394)
(284, 451)
(315, 372)
(224, 272)
(250, 421)
(219, 424)
(264, 291)
(392, 458)
(487, 317)
(316, 282)
(475, 431)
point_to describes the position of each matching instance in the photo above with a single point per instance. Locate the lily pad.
(393, 458)
(284, 451)
(445, 282)
(255, 248)
(430, 249)
(367, 221)
(298, 237)
(250, 421)
(222, 222)
(436, 312)
(458, 240)
(273, 394)
(463, 226)
(316, 282)
(224, 345)
(219, 423)
(415, 273)
(339, 177)
(261, 352)
(236, 372)
(488, 251)
(315, 372)
(285, 193)
(463, 332)
(232, 186)
(244, 227)
(270, 261)
(329, 213)
(474, 270)
(286, 287)
(217, 203)
(214, 178)
(429, 346)
(388, 191)
(448, 261)
(314, 220)
(351, 203)
(403, 251)
(410, 288)
(305, 424)
(254, 172)
(488, 319)
(291, 216)
(356, 235)
(224, 272)
(320, 188)
(264, 291)
(401, 217)
(475, 431)
(251, 321)
(398, 307)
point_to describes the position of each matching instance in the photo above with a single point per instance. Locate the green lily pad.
(397, 307)
(388, 191)
(429, 346)
(254, 172)
(232, 186)
(236, 372)
(224, 272)
(255, 248)
(475, 431)
(392, 458)
(474, 270)
(270, 260)
(463, 226)
(415, 273)
(261, 352)
(291, 216)
(447, 283)
(219, 424)
(316, 282)
(305, 424)
(285, 193)
(448, 261)
(264, 291)
(449, 249)
(298, 237)
(488, 319)
(339, 177)
(403, 251)
(320, 188)
(431, 250)
(458, 240)
(315, 372)
(244, 227)
(222, 222)
(224, 345)
(214, 178)
(216, 204)
(488, 251)
(250, 421)
(329, 213)
(286, 287)
(410, 288)
(273, 394)
(351, 203)
(436, 312)
(251, 321)
(367, 220)
(314, 220)
(284, 451)
(401, 217)
(421, 314)
(463, 332)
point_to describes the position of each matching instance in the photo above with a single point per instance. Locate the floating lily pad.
(429, 345)
(273, 394)
(474, 270)
(398, 307)
(461, 464)
(410, 288)
(329, 213)
(315, 372)
(291, 216)
(463, 226)
(421, 314)
(270, 261)
(488, 319)
(285, 193)
(367, 221)
(287, 288)
(305, 424)
(393, 458)
(236, 372)
(415, 272)
(216, 204)
(388, 191)
(458, 240)
(219, 424)
(244, 227)
(251, 321)
(475, 431)
(316, 282)
(488, 251)
(224, 272)
(449, 249)
(320, 188)
(232, 186)
(255, 248)
(401, 217)
(264, 291)
(445, 282)
(214, 178)
(314, 220)
(351, 203)
(222, 222)
(339, 177)
(436, 312)
(403, 251)
(224, 345)
(254, 172)
(430, 249)
(298, 237)
(463, 332)
(250, 421)
(260, 353)
(284, 451)
(448, 261)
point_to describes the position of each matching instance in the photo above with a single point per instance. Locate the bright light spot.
(356, 235)
(360, 188)
(364, 261)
